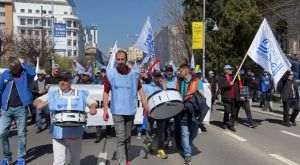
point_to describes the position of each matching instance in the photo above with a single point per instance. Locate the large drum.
(165, 104)
(69, 118)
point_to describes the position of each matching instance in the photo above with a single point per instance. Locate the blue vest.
(123, 92)
(171, 83)
(149, 89)
(75, 101)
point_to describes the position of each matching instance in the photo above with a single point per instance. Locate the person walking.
(16, 95)
(124, 85)
(229, 94)
(288, 89)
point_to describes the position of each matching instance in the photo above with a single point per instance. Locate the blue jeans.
(41, 117)
(189, 131)
(19, 115)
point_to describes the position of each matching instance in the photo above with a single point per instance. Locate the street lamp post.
(204, 29)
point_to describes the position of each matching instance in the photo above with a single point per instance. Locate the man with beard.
(124, 84)
(16, 95)
(229, 94)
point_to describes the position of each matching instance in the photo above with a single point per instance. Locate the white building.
(91, 36)
(30, 15)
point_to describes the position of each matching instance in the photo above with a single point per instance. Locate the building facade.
(284, 17)
(6, 16)
(169, 45)
(134, 54)
(32, 18)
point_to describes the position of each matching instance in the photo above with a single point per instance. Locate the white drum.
(165, 104)
(69, 118)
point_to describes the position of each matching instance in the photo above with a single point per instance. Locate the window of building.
(22, 31)
(69, 23)
(49, 12)
(69, 52)
(37, 33)
(65, 13)
(74, 43)
(75, 53)
(49, 22)
(69, 42)
(29, 21)
(74, 34)
(74, 24)
(22, 10)
(49, 32)
(69, 33)
(36, 21)
(22, 21)
(44, 22)
(29, 11)
(2, 14)
(44, 11)
(37, 11)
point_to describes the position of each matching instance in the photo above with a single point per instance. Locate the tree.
(238, 21)
(31, 47)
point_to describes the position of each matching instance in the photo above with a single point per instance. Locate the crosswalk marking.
(283, 159)
(239, 138)
(290, 133)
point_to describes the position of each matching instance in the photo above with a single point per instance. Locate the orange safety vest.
(192, 88)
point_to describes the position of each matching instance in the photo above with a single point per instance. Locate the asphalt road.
(269, 144)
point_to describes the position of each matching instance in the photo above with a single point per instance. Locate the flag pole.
(237, 72)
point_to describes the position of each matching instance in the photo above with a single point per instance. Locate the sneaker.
(294, 124)
(21, 162)
(4, 162)
(287, 124)
(188, 160)
(161, 154)
(231, 128)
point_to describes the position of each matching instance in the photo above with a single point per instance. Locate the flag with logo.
(145, 42)
(266, 52)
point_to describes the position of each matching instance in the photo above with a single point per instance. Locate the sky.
(119, 20)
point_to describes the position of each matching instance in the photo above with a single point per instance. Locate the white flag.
(37, 68)
(112, 58)
(192, 62)
(145, 42)
(266, 52)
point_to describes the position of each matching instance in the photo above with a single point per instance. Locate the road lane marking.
(290, 133)
(103, 158)
(237, 137)
(283, 159)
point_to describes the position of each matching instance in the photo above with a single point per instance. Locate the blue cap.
(227, 66)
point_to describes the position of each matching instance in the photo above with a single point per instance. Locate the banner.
(266, 52)
(112, 58)
(60, 35)
(197, 35)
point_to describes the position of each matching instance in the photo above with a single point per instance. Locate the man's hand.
(145, 110)
(231, 83)
(105, 114)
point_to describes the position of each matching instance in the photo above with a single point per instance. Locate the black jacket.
(224, 86)
(285, 88)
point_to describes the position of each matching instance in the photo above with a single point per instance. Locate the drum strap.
(69, 98)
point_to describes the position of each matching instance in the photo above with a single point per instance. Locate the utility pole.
(204, 32)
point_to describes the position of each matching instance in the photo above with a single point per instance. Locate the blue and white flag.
(145, 42)
(37, 68)
(112, 58)
(266, 52)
